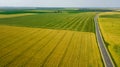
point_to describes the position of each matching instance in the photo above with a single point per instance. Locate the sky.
(59, 3)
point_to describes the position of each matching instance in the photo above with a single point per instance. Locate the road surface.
(105, 55)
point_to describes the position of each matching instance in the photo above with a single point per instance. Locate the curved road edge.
(103, 50)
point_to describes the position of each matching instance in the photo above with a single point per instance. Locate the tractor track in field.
(104, 52)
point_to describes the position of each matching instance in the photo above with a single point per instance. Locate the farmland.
(49, 40)
(110, 27)
(46, 47)
(76, 22)
(14, 15)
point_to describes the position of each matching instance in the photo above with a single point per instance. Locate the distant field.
(36, 47)
(14, 15)
(66, 21)
(110, 15)
(1, 11)
(42, 11)
(110, 27)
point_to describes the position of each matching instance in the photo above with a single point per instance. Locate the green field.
(49, 40)
(110, 27)
(66, 21)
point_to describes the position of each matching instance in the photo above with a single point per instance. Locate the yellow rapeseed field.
(37, 47)
(110, 27)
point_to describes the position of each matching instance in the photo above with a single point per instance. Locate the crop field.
(49, 40)
(1, 11)
(14, 15)
(110, 27)
(34, 47)
(66, 21)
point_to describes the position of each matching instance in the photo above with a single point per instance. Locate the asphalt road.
(105, 55)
